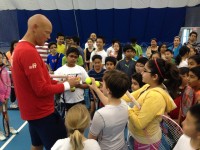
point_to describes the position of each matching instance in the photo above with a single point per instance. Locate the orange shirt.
(8, 55)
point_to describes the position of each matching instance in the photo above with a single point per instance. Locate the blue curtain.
(121, 24)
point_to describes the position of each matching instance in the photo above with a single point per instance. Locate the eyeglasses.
(73, 56)
(147, 71)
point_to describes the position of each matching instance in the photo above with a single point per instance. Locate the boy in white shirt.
(99, 51)
(76, 94)
(190, 140)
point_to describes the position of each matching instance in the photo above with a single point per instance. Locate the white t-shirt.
(64, 144)
(102, 53)
(183, 143)
(94, 45)
(109, 50)
(183, 63)
(108, 125)
(78, 71)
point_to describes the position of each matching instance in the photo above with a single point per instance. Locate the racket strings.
(171, 132)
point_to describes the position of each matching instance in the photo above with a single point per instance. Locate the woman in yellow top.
(144, 123)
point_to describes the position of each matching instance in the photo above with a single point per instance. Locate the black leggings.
(12, 95)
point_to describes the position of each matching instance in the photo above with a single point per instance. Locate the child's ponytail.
(76, 140)
(77, 120)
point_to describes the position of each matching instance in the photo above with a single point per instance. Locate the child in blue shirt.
(97, 72)
(54, 59)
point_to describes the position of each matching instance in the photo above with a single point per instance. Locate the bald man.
(34, 88)
(93, 36)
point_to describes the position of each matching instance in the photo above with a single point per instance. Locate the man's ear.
(34, 27)
(108, 91)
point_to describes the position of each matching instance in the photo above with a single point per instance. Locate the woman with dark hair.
(182, 58)
(117, 51)
(161, 49)
(152, 48)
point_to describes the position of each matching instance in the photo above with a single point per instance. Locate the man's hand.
(73, 82)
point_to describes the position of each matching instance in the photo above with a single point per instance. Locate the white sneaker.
(13, 131)
(13, 105)
(2, 136)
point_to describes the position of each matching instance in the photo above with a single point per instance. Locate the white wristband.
(66, 86)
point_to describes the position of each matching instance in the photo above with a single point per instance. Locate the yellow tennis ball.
(88, 80)
(97, 83)
(72, 89)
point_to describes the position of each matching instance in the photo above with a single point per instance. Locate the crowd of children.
(167, 80)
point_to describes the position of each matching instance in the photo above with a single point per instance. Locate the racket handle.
(4, 107)
(132, 99)
(58, 76)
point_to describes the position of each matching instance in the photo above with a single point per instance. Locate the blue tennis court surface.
(20, 141)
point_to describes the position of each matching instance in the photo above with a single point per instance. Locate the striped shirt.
(43, 51)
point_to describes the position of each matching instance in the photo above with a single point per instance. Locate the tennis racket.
(171, 131)
(132, 99)
(5, 121)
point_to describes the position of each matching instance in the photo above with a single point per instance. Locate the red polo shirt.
(33, 86)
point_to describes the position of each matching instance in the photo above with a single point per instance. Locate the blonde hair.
(77, 120)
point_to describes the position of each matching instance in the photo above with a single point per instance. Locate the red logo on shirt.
(33, 66)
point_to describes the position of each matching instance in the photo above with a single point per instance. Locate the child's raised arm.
(101, 96)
